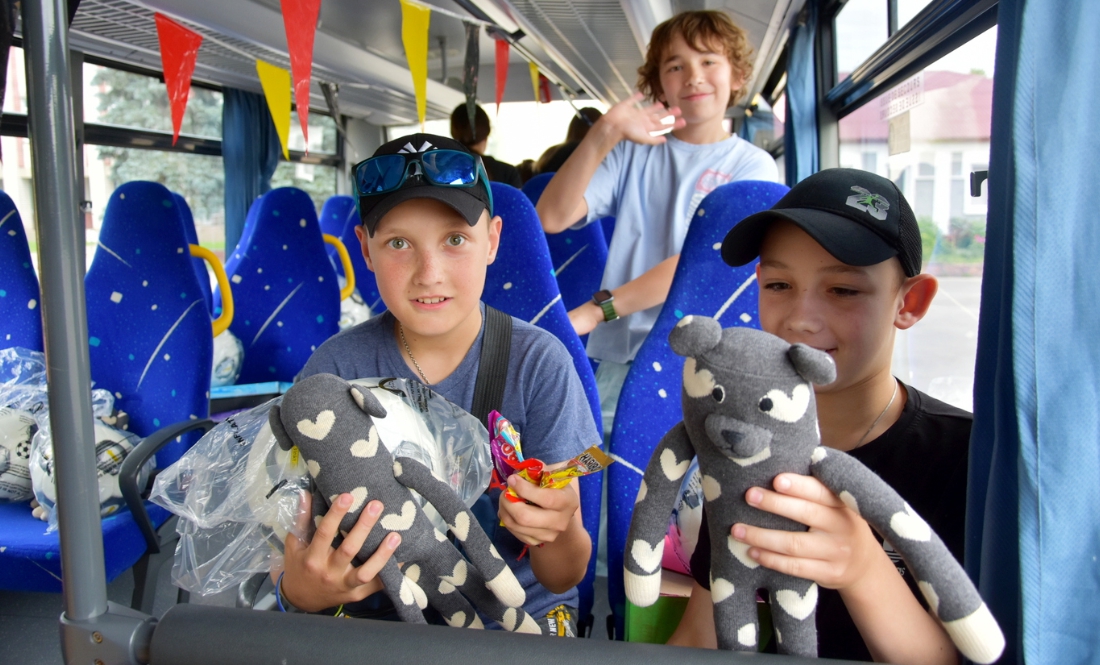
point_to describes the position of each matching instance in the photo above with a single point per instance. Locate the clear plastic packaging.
(237, 493)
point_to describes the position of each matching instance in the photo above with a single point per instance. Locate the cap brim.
(463, 202)
(846, 240)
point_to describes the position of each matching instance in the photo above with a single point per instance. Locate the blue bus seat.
(192, 236)
(339, 218)
(650, 402)
(151, 344)
(285, 292)
(521, 283)
(578, 255)
(608, 225)
(20, 318)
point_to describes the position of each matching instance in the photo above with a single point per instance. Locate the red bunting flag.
(179, 49)
(502, 69)
(544, 89)
(300, 21)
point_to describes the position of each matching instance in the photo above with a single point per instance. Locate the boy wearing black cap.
(428, 234)
(840, 259)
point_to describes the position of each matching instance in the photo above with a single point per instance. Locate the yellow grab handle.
(222, 322)
(345, 260)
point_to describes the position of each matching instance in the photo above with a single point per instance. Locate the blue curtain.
(800, 134)
(250, 152)
(1034, 513)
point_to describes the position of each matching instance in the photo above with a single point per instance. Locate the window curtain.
(250, 152)
(1034, 507)
(800, 135)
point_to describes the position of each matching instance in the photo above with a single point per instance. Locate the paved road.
(937, 355)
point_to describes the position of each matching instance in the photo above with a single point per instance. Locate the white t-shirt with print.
(653, 191)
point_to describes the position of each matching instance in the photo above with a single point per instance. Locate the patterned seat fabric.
(521, 283)
(649, 404)
(20, 318)
(578, 256)
(339, 218)
(285, 291)
(192, 235)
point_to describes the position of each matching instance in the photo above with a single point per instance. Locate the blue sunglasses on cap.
(442, 168)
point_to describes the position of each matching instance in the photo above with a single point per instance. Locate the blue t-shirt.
(544, 400)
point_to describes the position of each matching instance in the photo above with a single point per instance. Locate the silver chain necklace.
(401, 331)
(862, 438)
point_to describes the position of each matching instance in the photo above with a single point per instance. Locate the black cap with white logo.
(469, 202)
(858, 217)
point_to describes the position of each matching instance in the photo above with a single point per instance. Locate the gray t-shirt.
(544, 400)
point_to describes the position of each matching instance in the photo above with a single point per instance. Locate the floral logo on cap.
(875, 205)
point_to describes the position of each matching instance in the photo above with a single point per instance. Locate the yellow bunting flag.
(414, 35)
(534, 79)
(276, 84)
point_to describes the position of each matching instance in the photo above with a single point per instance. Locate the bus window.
(124, 99)
(928, 134)
(908, 9)
(860, 28)
(317, 180)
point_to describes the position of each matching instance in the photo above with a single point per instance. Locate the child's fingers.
(326, 530)
(797, 544)
(811, 513)
(367, 573)
(559, 500)
(353, 542)
(806, 487)
(811, 569)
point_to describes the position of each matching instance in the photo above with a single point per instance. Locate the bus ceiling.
(588, 49)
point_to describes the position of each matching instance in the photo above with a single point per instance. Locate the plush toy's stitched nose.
(732, 437)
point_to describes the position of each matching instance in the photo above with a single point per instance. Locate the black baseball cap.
(469, 202)
(858, 217)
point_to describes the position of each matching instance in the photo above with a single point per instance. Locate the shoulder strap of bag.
(492, 371)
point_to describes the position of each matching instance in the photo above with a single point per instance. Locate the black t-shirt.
(502, 172)
(924, 457)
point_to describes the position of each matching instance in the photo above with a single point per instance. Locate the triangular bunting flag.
(414, 35)
(300, 21)
(179, 49)
(276, 85)
(469, 73)
(534, 69)
(544, 89)
(502, 69)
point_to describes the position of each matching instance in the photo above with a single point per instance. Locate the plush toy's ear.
(815, 366)
(695, 335)
(276, 423)
(367, 402)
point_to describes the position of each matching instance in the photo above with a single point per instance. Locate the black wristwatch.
(606, 302)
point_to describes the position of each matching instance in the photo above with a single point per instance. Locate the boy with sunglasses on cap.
(428, 234)
(840, 261)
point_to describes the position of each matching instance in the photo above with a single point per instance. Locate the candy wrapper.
(507, 453)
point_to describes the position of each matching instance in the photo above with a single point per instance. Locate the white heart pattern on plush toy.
(720, 590)
(358, 496)
(789, 409)
(671, 468)
(458, 578)
(648, 558)
(366, 447)
(318, 429)
(412, 593)
(461, 527)
(795, 605)
(697, 382)
(910, 526)
(402, 522)
(740, 551)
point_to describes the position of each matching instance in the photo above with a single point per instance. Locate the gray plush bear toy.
(749, 415)
(329, 420)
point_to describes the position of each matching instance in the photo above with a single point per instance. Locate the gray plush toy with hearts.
(329, 420)
(749, 415)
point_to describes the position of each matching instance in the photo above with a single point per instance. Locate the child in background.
(696, 67)
(840, 261)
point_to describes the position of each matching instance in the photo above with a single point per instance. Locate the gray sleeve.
(559, 420)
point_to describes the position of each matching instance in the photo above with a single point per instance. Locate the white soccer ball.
(353, 310)
(112, 445)
(17, 428)
(228, 356)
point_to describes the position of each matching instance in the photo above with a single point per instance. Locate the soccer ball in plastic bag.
(353, 310)
(112, 445)
(17, 428)
(228, 356)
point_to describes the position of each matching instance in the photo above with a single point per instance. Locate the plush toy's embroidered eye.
(766, 404)
(719, 394)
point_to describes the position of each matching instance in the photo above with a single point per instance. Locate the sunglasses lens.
(449, 167)
(380, 174)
